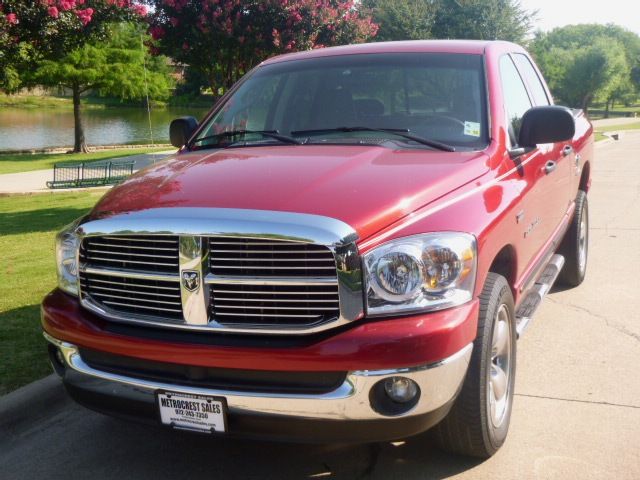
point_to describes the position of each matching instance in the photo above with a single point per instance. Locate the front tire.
(478, 422)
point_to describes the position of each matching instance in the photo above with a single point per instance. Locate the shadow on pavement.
(78, 442)
(169, 453)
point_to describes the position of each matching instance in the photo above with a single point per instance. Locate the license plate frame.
(202, 419)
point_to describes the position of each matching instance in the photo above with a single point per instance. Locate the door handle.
(567, 150)
(550, 166)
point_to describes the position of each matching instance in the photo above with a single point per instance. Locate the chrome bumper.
(439, 383)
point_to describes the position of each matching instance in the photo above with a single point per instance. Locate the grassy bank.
(89, 103)
(601, 130)
(52, 101)
(28, 224)
(618, 128)
(14, 163)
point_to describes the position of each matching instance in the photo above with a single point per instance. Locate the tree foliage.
(224, 39)
(116, 67)
(31, 31)
(483, 20)
(402, 19)
(589, 63)
(119, 67)
(468, 19)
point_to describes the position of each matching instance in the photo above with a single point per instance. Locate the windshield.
(433, 96)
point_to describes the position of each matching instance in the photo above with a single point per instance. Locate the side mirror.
(181, 130)
(548, 124)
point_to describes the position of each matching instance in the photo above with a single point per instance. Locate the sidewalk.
(35, 181)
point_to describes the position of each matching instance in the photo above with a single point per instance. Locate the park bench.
(93, 174)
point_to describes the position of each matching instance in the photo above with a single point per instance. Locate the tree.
(596, 71)
(402, 19)
(48, 30)
(224, 39)
(590, 62)
(472, 19)
(483, 20)
(116, 68)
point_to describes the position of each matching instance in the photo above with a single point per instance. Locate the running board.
(534, 297)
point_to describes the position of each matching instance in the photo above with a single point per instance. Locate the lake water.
(25, 128)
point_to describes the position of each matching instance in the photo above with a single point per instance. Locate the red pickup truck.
(346, 248)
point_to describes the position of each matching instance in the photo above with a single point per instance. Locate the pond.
(26, 128)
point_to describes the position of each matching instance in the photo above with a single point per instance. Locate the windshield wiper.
(402, 132)
(235, 133)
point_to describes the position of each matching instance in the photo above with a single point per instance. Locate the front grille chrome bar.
(233, 280)
(117, 272)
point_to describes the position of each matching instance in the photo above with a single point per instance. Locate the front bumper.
(344, 414)
(433, 349)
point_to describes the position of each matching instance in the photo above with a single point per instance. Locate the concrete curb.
(31, 402)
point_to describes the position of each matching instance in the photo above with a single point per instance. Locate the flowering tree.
(222, 39)
(41, 33)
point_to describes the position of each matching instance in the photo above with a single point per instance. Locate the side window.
(516, 99)
(532, 79)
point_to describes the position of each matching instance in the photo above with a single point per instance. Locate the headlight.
(67, 244)
(421, 273)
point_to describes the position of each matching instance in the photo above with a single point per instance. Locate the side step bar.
(534, 297)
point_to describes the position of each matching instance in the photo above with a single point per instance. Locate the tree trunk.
(79, 145)
(586, 100)
(606, 109)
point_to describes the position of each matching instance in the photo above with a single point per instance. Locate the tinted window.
(435, 96)
(516, 99)
(532, 79)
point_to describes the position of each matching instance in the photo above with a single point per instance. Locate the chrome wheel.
(499, 380)
(583, 240)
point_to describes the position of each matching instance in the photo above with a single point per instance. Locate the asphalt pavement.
(576, 413)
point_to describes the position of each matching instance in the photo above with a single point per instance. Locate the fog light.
(400, 389)
(394, 396)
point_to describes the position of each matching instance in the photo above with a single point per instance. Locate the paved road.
(576, 413)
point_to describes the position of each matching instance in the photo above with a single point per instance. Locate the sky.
(556, 13)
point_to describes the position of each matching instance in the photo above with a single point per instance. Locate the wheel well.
(584, 178)
(505, 264)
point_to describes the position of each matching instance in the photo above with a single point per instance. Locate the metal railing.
(93, 174)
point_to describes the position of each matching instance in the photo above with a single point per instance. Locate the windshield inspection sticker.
(472, 129)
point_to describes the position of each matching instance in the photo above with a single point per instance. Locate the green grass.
(14, 163)
(600, 131)
(49, 101)
(28, 224)
(600, 136)
(617, 128)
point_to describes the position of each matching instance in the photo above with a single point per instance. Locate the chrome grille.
(306, 293)
(251, 283)
(137, 253)
(109, 260)
(284, 305)
(134, 295)
(256, 257)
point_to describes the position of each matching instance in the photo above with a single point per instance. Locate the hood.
(368, 187)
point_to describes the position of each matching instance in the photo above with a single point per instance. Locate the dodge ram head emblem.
(191, 280)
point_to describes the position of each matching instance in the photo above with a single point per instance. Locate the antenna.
(146, 87)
